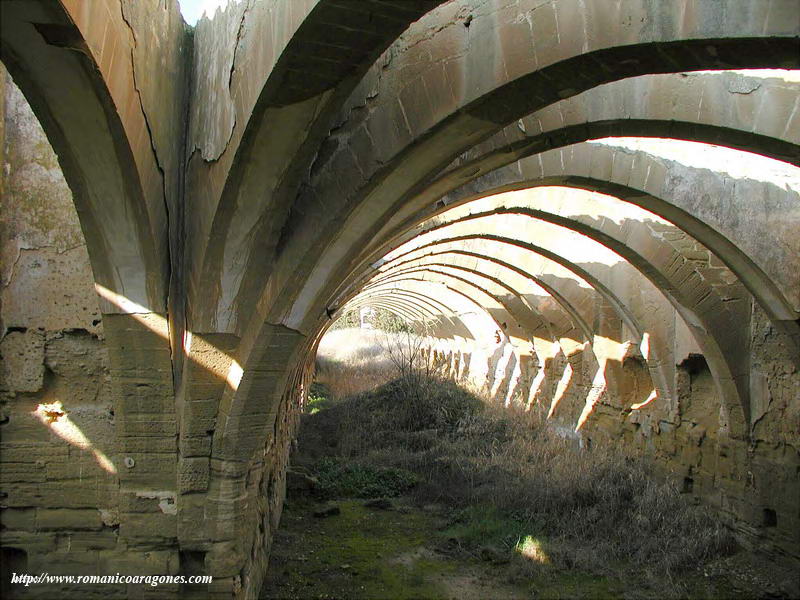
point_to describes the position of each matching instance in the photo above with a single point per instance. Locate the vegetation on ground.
(511, 482)
(509, 491)
(350, 361)
(339, 478)
(370, 554)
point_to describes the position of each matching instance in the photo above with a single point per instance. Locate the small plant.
(318, 398)
(339, 479)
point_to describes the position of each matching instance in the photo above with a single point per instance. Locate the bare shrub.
(350, 361)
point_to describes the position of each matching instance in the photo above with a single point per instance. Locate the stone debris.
(327, 511)
(300, 483)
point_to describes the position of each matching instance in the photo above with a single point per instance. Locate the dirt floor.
(375, 553)
(403, 552)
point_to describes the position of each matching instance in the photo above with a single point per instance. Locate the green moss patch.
(360, 553)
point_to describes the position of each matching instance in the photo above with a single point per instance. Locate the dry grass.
(351, 361)
(594, 508)
(508, 476)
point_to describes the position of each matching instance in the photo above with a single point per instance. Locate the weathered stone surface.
(23, 361)
(193, 475)
(224, 559)
(66, 518)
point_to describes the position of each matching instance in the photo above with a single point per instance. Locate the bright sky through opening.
(192, 10)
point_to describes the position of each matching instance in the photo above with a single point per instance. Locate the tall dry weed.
(597, 508)
(351, 361)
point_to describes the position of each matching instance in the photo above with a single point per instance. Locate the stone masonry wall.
(58, 443)
(56, 493)
(754, 482)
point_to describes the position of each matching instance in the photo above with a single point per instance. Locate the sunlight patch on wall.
(516, 374)
(501, 369)
(153, 321)
(596, 390)
(653, 395)
(569, 201)
(545, 351)
(55, 417)
(605, 349)
(561, 389)
(570, 347)
(208, 356)
(198, 349)
(789, 75)
(234, 376)
(644, 345)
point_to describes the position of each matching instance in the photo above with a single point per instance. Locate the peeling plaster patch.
(43, 237)
(168, 506)
(166, 501)
(63, 285)
(43, 253)
(744, 85)
(36, 202)
(109, 517)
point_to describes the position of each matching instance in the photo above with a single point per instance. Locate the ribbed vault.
(589, 208)
(594, 264)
